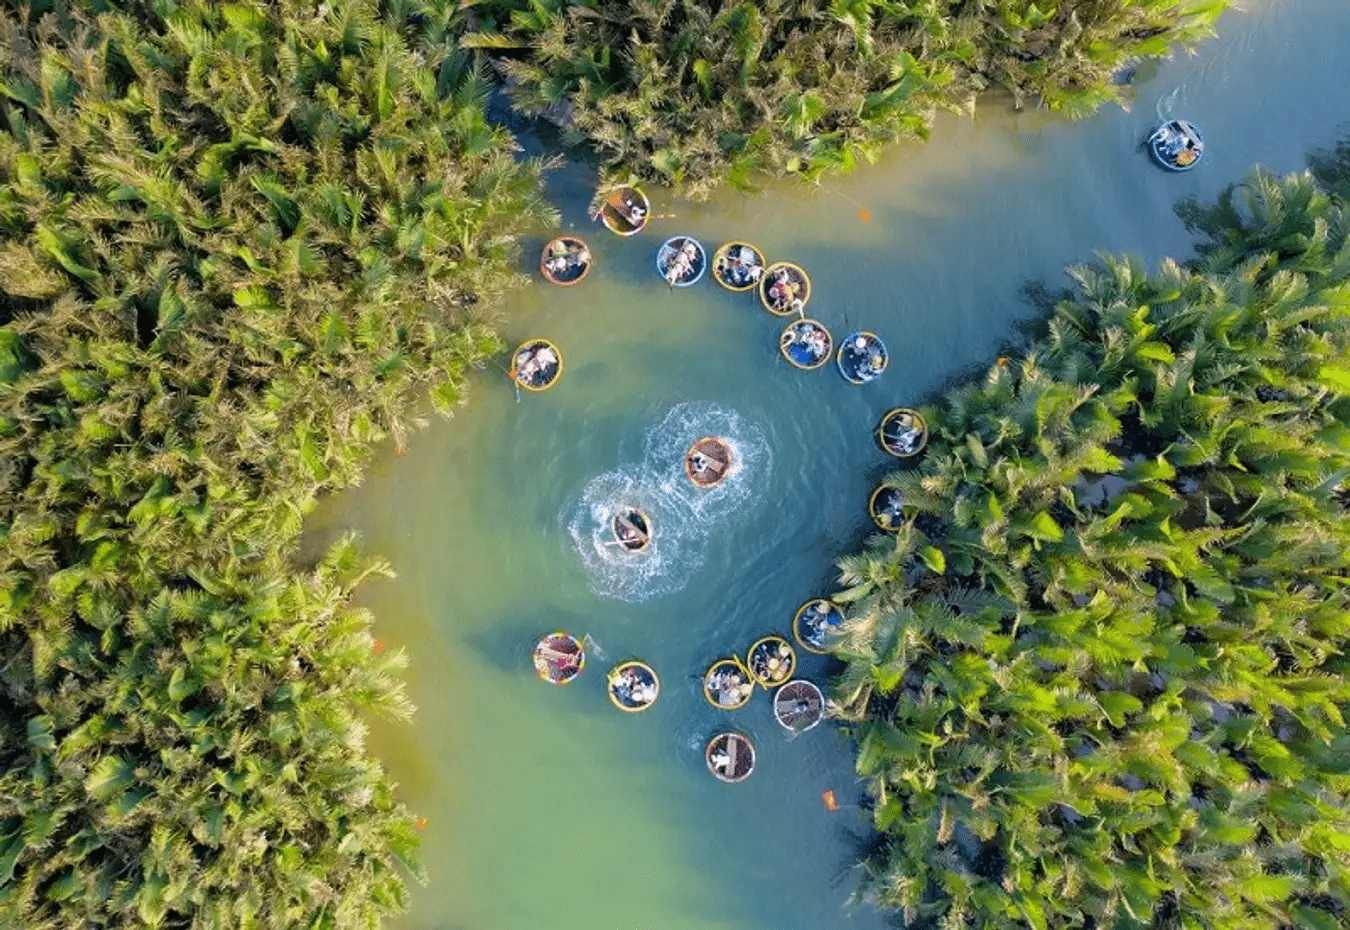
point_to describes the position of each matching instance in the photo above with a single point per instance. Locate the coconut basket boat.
(633, 686)
(625, 210)
(806, 344)
(730, 757)
(903, 432)
(813, 624)
(784, 288)
(565, 261)
(681, 261)
(559, 657)
(632, 529)
(771, 661)
(708, 462)
(536, 365)
(727, 684)
(1177, 145)
(798, 706)
(886, 506)
(738, 266)
(862, 357)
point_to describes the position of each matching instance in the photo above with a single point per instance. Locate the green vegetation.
(234, 240)
(1099, 676)
(697, 91)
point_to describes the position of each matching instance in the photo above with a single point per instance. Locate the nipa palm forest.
(1098, 675)
(240, 242)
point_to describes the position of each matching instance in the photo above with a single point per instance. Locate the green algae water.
(546, 807)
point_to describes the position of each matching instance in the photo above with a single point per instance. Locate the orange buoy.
(828, 798)
(377, 647)
(420, 823)
(865, 215)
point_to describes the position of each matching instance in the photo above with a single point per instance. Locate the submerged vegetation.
(1098, 676)
(235, 242)
(695, 92)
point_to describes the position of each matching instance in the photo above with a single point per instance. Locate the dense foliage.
(1099, 676)
(234, 239)
(697, 91)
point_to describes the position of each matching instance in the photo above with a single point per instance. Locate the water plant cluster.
(237, 243)
(697, 92)
(1098, 675)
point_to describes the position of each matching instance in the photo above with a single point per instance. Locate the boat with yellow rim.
(771, 661)
(784, 288)
(632, 529)
(727, 684)
(625, 210)
(886, 505)
(565, 261)
(738, 266)
(536, 365)
(730, 757)
(862, 357)
(559, 657)
(633, 686)
(806, 344)
(708, 462)
(814, 624)
(903, 432)
(798, 705)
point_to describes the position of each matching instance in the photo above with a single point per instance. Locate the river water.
(545, 806)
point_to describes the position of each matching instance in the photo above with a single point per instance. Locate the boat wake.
(682, 516)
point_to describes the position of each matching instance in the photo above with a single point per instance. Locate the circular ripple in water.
(682, 515)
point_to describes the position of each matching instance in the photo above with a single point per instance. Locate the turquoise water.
(548, 808)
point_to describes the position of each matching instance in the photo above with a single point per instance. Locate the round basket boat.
(727, 685)
(886, 506)
(708, 461)
(862, 357)
(771, 661)
(633, 686)
(738, 266)
(565, 261)
(806, 344)
(632, 529)
(798, 705)
(730, 757)
(559, 658)
(784, 288)
(536, 365)
(903, 432)
(813, 624)
(1177, 145)
(625, 210)
(681, 261)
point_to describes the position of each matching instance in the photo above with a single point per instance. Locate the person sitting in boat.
(682, 265)
(535, 365)
(556, 264)
(634, 212)
(903, 433)
(698, 461)
(751, 269)
(721, 761)
(628, 533)
(783, 290)
(581, 258)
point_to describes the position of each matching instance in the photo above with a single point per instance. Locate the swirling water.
(545, 806)
(682, 515)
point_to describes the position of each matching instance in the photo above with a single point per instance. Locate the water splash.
(682, 516)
